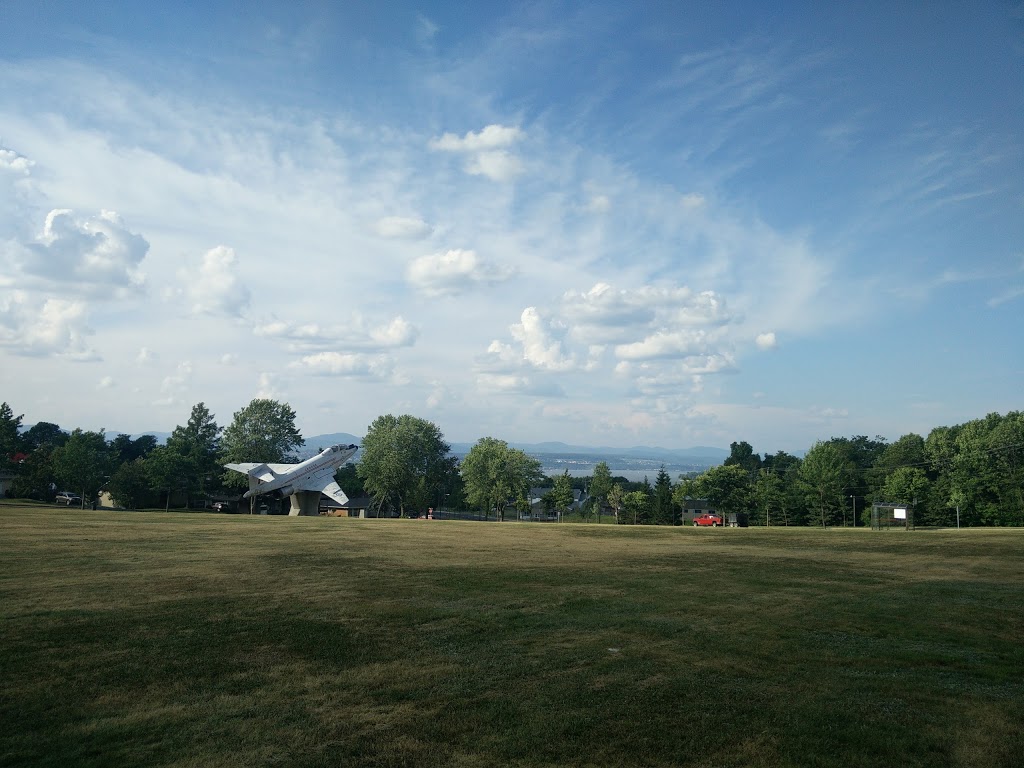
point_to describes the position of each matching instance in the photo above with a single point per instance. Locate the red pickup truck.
(707, 519)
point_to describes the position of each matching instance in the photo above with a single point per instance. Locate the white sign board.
(899, 514)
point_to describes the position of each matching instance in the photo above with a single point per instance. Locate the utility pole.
(854, 500)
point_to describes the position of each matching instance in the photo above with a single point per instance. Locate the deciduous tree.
(495, 475)
(82, 463)
(263, 431)
(404, 463)
(600, 486)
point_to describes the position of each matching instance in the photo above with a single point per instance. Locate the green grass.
(177, 639)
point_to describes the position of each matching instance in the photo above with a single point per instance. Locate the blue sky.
(604, 223)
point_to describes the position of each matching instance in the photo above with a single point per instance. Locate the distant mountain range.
(554, 455)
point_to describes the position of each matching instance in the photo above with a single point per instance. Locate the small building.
(695, 507)
(361, 506)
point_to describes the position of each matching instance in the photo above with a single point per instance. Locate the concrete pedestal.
(305, 503)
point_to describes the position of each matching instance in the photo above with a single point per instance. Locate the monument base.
(305, 503)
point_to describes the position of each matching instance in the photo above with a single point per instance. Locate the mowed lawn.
(188, 639)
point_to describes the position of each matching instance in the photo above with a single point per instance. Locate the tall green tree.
(9, 436)
(742, 455)
(769, 499)
(197, 443)
(405, 463)
(600, 486)
(130, 484)
(616, 499)
(123, 448)
(168, 471)
(263, 431)
(726, 487)
(906, 485)
(43, 433)
(82, 464)
(636, 508)
(36, 477)
(824, 476)
(561, 496)
(663, 510)
(494, 475)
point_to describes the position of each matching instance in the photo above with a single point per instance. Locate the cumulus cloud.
(453, 272)
(516, 384)
(538, 346)
(603, 314)
(402, 228)
(93, 252)
(491, 137)
(346, 365)
(40, 327)
(216, 288)
(358, 335)
(497, 165)
(145, 356)
(107, 382)
(175, 386)
(766, 341)
(486, 152)
(665, 344)
(15, 163)
(268, 387)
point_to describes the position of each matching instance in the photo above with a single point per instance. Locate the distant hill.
(317, 443)
(558, 452)
(705, 454)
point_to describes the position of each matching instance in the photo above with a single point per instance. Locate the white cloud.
(346, 365)
(268, 387)
(12, 161)
(107, 382)
(52, 327)
(175, 386)
(358, 335)
(216, 288)
(486, 151)
(491, 137)
(453, 272)
(766, 341)
(497, 165)
(665, 344)
(511, 384)
(402, 228)
(397, 333)
(92, 252)
(541, 347)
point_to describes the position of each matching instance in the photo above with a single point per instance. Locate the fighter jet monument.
(303, 482)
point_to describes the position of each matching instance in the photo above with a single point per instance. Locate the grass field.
(183, 639)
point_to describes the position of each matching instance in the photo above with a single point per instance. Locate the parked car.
(68, 498)
(708, 519)
(221, 506)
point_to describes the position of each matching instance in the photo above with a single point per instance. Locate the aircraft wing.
(316, 481)
(263, 472)
(334, 491)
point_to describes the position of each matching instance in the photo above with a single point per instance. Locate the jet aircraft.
(313, 476)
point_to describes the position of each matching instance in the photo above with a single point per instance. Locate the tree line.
(971, 474)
